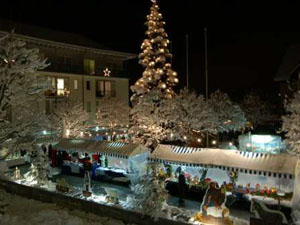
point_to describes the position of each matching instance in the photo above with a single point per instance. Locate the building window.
(59, 87)
(88, 85)
(76, 84)
(89, 66)
(105, 88)
(88, 107)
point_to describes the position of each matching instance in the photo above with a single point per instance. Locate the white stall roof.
(280, 163)
(105, 147)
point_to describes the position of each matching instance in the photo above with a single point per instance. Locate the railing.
(78, 69)
(100, 94)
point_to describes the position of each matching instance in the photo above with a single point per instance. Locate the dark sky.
(246, 39)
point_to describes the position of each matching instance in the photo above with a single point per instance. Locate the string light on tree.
(155, 57)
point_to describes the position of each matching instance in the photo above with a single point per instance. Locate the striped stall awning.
(113, 149)
(281, 165)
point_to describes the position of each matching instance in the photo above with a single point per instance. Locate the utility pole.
(187, 60)
(206, 76)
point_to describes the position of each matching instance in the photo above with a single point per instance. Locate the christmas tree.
(155, 86)
(40, 170)
(155, 58)
(150, 194)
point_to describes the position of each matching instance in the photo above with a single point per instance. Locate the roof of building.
(109, 148)
(47, 34)
(280, 163)
(289, 63)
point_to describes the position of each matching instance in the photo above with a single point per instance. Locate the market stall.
(119, 157)
(246, 172)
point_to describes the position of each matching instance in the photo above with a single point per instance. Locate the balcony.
(78, 69)
(57, 93)
(101, 94)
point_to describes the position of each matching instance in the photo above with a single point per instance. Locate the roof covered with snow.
(32, 32)
(104, 147)
(276, 163)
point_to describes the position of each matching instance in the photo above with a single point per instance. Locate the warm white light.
(184, 137)
(172, 135)
(199, 139)
(214, 142)
(67, 132)
(106, 133)
(230, 143)
(81, 134)
(114, 133)
(60, 84)
(90, 134)
(97, 128)
(248, 145)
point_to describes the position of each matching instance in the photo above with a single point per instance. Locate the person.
(181, 187)
(213, 198)
(178, 171)
(44, 149)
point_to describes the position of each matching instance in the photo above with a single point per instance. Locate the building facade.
(83, 73)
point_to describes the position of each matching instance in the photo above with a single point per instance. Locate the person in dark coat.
(181, 187)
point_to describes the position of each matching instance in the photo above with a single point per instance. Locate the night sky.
(246, 39)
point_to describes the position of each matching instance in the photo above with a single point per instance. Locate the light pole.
(206, 75)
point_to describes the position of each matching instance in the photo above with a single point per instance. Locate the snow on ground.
(16, 210)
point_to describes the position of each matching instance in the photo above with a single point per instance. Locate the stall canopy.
(248, 162)
(114, 149)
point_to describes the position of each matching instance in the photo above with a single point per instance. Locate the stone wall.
(82, 205)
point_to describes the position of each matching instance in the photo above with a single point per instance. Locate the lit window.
(75, 84)
(105, 88)
(60, 86)
(89, 66)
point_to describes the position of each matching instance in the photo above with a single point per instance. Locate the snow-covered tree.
(69, 119)
(291, 123)
(112, 112)
(255, 109)
(21, 92)
(40, 170)
(156, 83)
(187, 113)
(230, 116)
(149, 193)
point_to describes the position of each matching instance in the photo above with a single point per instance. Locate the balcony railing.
(101, 94)
(78, 69)
(57, 93)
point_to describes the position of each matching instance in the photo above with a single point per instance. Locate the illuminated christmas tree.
(155, 86)
(155, 58)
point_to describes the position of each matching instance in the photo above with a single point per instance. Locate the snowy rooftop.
(105, 147)
(280, 163)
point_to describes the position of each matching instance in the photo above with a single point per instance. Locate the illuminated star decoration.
(106, 72)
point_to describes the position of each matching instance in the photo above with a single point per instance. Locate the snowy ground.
(16, 210)
(38, 212)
